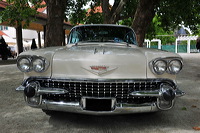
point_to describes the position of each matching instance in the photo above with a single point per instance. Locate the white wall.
(27, 34)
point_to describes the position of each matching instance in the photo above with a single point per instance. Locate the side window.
(130, 38)
(75, 37)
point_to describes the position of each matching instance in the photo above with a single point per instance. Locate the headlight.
(38, 65)
(175, 66)
(159, 66)
(24, 64)
(27, 63)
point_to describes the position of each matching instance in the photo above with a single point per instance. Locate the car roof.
(112, 25)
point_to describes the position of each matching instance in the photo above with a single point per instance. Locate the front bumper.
(76, 107)
(138, 90)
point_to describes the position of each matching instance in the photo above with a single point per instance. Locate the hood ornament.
(99, 70)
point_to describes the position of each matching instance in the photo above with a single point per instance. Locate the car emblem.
(99, 70)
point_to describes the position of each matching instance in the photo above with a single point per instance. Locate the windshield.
(116, 34)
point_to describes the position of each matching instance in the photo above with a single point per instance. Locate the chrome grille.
(119, 90)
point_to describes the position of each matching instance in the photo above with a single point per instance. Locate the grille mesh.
(119, 90)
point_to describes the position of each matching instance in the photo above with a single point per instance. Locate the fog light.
(168, 95)
(31, 93)
(165, 105)
(36, 100)
(168, 92)
(31, 89)
(166, 101)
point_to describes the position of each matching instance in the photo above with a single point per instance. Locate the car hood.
(105, 61)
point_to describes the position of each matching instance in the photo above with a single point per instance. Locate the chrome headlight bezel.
(39, 64)
(170, 66)
(159, 66)
(20, 65)
(34, 62)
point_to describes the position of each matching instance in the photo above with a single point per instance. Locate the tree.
(76, 12)
(156, 31)
(139, 14)
(121, 10)
(17, 12)
(55, 18)
(184, 12)
(143, 16)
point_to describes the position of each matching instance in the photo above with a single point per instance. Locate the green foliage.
(198, 30)
(129, 10)
(127, 22)
(94, 18)
(20, 10)
(76, 12)
(176, 12)
(157, 31)
(184, 108)
(80, 15)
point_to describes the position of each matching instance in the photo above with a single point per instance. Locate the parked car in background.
(100, 71)
(13, 51)
(7, 53)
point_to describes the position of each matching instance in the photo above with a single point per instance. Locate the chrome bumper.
(76, 107)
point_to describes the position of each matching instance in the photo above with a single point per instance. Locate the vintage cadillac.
(100, 71)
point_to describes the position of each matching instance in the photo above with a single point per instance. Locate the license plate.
(98, 104)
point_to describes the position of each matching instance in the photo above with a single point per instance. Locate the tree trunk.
(39, 39)
(19, 38)
(143, 16)
(115, 12)
(55, 19)
(112, 14)
(106, 11)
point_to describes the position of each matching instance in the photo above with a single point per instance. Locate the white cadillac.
(100, 71)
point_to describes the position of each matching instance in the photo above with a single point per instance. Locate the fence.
(177, 48)
(180, 48)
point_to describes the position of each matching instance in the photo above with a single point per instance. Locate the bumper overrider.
(100, 96)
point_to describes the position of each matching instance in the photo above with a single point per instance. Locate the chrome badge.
(99, 70)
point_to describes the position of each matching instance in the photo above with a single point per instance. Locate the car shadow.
(113, 123)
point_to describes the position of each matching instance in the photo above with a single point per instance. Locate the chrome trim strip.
(43, 90)
(20, 88)
(99, 80)
(179, 93)
(146, 93)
